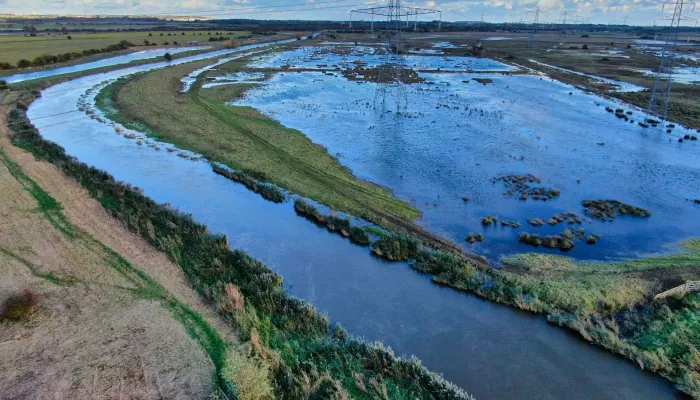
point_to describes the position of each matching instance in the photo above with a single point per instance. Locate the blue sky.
(641, 12)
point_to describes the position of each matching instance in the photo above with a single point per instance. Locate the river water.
(492, 351)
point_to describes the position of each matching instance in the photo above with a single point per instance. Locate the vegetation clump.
(483, 81)
(488, 220)
(609, 209)
(536, 222)
(570, 217)
(512, 224)
(397, 247)
(359, 236)
(249, 179)
(473, 237)
(19, 307)
(522, 186)
(305, 209)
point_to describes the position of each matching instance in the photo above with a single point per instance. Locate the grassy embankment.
(82, 292)
(14, 48)
(306, 357)
(244, 139)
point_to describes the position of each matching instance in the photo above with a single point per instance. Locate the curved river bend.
(492, 351)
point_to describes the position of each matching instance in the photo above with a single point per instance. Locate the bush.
(250, 376)
(69, 37)
(24, 63)
(359, 236)
(584, 47)
(397, 247)
(20, 306)
(168, 56)
(3, 85)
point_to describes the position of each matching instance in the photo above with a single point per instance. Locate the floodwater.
(105, 62)
(492, 351)
(456, 135)
(318, 58)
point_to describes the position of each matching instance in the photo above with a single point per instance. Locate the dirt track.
(91, 337)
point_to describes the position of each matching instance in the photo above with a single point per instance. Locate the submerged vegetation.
(252, 181)
(397, 247)
(609, 209)
(303, 353)
(523, 187)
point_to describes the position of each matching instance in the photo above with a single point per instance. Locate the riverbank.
(95, 296)
(303, 352)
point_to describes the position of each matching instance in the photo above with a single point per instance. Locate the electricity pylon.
(392, 69)
(661, 92)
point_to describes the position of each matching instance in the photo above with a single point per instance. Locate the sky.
(635, 12)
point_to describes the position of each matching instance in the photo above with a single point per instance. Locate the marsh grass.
(397, 247)
(252, 181)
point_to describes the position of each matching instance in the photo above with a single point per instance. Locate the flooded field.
(490, 350)
(323, 57)
(123, 59)
(457, 135)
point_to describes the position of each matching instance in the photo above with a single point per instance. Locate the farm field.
(16, 47)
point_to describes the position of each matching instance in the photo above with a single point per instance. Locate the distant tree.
(175, 42)
(183, 33)
(584, 47)
(69, 38)
(146, 42)
(24, 63)
(161, 34)
(3, 84)
(166, 44)
(168, 56)
(150, 34)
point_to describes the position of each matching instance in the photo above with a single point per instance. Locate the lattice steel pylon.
(661, 91)
(391, 72)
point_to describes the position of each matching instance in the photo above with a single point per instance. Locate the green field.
(16, 47)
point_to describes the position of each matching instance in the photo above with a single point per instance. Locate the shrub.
(359, 236)
(3, 85)
(69, 38)
(24, 63)
(250, 376)
(234, 297)
(584, 47)
(168, 56)
(19, 306)
(396, 247)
